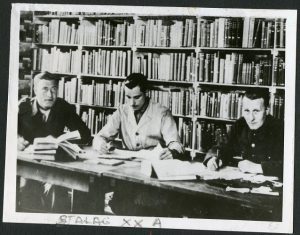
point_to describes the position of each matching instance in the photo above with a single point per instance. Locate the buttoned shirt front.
(155, 126)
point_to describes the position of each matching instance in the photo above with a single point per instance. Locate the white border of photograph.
(286, 226)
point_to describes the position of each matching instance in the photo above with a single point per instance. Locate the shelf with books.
(171, 31)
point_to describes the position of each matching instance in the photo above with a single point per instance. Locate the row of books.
(106, 33)
(101, 33)
(216, 104)
(247, 32)
(219, 104)
(277, 106)
(57, 60)
(95, 121)
(220, 32)
(279, 71)
(95, 62)
(233, 68)
(57, 31)
(209, 134)
(101, 94)
(179, 101)
(166, 33)
(106, 62)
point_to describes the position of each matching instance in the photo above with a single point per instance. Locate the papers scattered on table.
(109, 162)
(116, 154)
(260, 190)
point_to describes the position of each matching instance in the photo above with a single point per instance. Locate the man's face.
(135, 97)
(254, 112)
(46, 93)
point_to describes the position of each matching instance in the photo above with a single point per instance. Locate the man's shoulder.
(240, 123)
(62, 104)
(158, 108)
(25, 105)
(274, 123)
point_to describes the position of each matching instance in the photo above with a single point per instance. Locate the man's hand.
(250, 167)
(166, 154)
(214, 163)
(100, 145)
(22, 143)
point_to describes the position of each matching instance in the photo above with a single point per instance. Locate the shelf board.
(233, 85)
(113, 16)
(57, 16)
(96, 106)
(235, 49)
(104, 46)
(216, 119)
(183, 116)
(103, 76)
(168, 81)
(166, 48)
(55, 44)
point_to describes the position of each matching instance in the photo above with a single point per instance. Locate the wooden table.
(98, 179)
(259, 207)
(75, 175)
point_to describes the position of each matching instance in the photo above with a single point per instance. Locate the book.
(46, 147)
(171, 169)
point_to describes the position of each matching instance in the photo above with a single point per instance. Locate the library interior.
(201, 70)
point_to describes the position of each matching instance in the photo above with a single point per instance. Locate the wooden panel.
(53, 175)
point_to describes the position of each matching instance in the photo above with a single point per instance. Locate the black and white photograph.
(153, 117)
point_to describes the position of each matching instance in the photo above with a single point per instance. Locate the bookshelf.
(198, 66)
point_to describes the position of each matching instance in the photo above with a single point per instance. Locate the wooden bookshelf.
(178, 53)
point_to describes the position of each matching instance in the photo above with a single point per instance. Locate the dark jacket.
(62, 114)
(263, 146)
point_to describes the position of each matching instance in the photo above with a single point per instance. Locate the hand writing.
(213, 164)
(165, 154)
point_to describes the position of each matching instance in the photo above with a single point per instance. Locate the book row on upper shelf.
(218, 104)
(222, 68)
(215, 32)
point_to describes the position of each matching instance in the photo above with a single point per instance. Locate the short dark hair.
(45, 76)
(258, 94)
(137, 79)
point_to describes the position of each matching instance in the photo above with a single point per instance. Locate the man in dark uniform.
(257, 138)
(45, 114)
(41, 116)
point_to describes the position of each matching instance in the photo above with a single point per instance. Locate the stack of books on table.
(45, 148)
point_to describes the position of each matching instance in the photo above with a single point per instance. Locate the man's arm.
(74, 122)
(170, 135)
(108, 133)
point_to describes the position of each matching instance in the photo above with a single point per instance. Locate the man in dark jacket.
(41, 116)
(256, 139)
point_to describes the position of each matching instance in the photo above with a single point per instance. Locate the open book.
(171, 169)
(46, 147)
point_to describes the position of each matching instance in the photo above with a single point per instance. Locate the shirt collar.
(144, 107)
